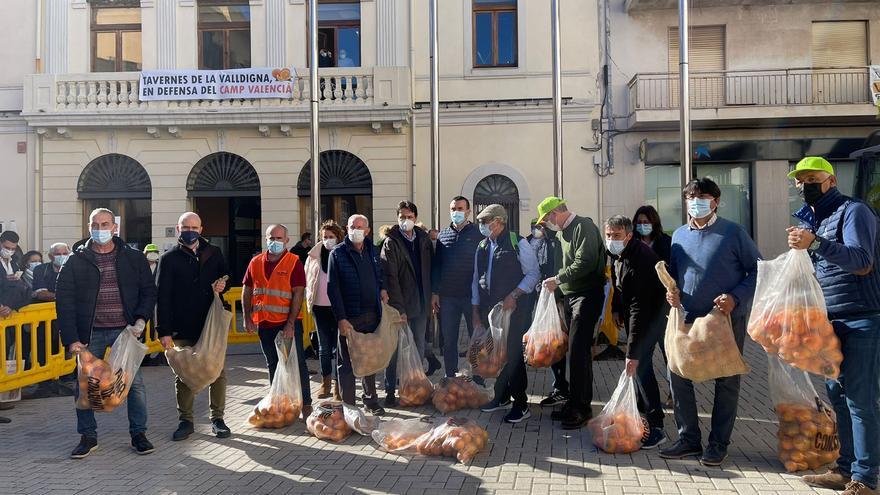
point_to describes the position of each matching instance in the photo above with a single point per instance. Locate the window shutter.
(839, 44)
(706, 49)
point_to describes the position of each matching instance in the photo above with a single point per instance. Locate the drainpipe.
(684, 99)
(435, 117)
(315, 85)
(557, 99)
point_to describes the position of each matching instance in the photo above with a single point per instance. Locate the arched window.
(346, 188)
(120, 183)
(498, 189)
(225, 190)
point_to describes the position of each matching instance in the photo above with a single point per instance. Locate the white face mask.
(356, 235)
(537, 233)
(552, 226)
(6, 253)
(615, 247)
(406, 225)
(153, 257)
(329, 243)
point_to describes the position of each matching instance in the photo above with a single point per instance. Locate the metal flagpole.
(315, 87)
(435, 119)
(684, 99)
(557, 99)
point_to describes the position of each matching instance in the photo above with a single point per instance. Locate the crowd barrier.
(27, 331)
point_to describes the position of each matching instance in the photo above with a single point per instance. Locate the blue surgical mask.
(644, 228)
(457, 217)
(102, 236)
(485, 230)
(33, 264)
(699, 207)
(615, 247)
(275, 247)
(188, 237)
(60, 260)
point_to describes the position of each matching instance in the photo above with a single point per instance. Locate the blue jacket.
(848, 249)
(343, 284)
(453, 265)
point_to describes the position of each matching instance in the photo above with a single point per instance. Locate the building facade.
(771, 82)
(244, 163)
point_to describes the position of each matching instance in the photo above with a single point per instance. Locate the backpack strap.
(514, 241)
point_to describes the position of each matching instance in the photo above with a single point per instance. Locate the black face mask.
(188, 237)
(812, 192)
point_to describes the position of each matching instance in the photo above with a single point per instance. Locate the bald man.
(188, 276)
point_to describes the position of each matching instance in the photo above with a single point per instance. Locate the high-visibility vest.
(271, 298)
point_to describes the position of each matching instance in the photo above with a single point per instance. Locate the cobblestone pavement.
(534, 457)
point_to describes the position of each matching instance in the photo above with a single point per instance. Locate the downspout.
(36, 221)
(412, 99)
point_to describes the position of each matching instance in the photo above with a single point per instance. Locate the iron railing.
(744, 88)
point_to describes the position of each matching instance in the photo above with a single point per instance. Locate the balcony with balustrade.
(760, 98)
(346, 95)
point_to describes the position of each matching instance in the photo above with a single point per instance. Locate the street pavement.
(534, 457)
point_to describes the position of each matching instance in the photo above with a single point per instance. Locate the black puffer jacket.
(185, 293)
(78, 283)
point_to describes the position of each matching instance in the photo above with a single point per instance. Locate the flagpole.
(435, 118)
(684, 99)
(315, 87)
(557, 98)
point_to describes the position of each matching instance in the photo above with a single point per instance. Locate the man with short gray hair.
(46, 275)
(639, 305)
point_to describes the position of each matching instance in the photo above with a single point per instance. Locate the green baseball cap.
(812, 163)
(151, 248)
(549, 204)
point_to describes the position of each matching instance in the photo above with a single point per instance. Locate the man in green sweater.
(581, 279)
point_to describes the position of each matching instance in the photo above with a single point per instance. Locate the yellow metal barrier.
(36, 319)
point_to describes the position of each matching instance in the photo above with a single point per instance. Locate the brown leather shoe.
(326, 383)
(336, 395)
(856, 487)
(834, 479)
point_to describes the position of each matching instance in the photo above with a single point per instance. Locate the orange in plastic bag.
(487, 348)
(327, 422)
(461, 438)
(103, 385)
(283, 404)
(545, 343)
(460, 392)
(415, 388)
(619, 429)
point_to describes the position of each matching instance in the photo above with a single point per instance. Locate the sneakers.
(834, 479)
(680, 450)
(655, 437)
(518, 415)
(856, 487)
(4, 420)
(86, 446)
(374, 408)
(140, 444)
(713, 456)
(561, 414)
(184, 430)
(220, 429)
(496, 405)
(390, 400)
(555, 398)
(576, 420)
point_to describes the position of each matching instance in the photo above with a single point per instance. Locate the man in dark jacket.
(356, 291)
(189, 274)
(106, 288)
(841, 235)
(451, 276)
(301, 248)
(14, 294)
(406, 261)
(639, 305)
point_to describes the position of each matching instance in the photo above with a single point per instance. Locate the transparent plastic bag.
(457, 437)
(200, 365)
(103, 385)
(327, 422)
(283, 404)
(619, 429)
(371, 352)
(460, 392)
(359, 422)
(789, 317)
(487, 348)
(545, 343)
(703, 350)
(808, 437)
(415, 388)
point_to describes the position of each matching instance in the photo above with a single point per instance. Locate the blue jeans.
(723, 409)
(267, 343)
(452, 309)
(137, 394)
(328, 334)
(855, 396)
(418, 326)
(648, 390)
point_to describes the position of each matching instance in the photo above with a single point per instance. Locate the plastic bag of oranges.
(545, 343)
(461, 438)
(807, 435)
(487, 348)
(200, 365)
(283, 404)
(619, 429)
(103, 385)
(703, 350)
(327, 422)
(415, 388)
(371, 352)
(460, 392)
(789, 317)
